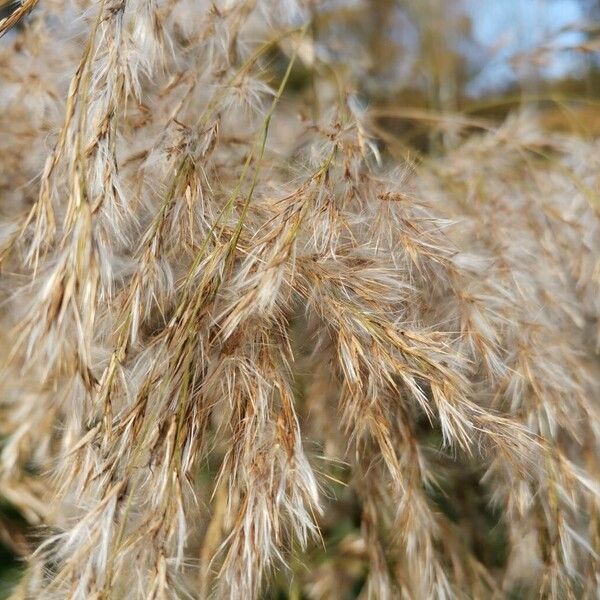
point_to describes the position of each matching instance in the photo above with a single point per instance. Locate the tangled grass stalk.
(234, 326)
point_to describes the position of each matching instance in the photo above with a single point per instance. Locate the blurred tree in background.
(478, 58)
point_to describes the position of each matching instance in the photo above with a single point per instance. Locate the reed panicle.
(232, 321)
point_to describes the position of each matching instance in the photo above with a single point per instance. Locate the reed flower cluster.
(246, 347)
